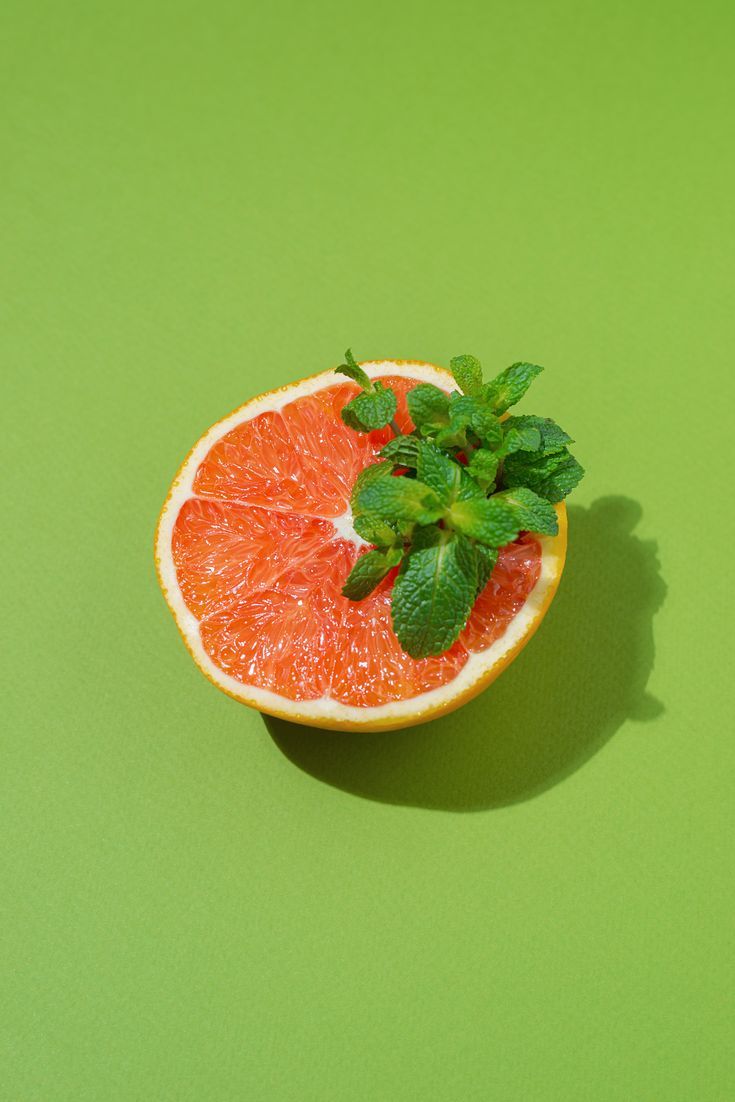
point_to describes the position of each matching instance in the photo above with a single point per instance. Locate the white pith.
(345, 529)
(326, 708)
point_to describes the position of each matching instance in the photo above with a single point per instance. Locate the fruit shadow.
(583, 675)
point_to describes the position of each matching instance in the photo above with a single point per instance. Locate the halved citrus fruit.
(255, 541)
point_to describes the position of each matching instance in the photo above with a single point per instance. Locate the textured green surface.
(529, 901)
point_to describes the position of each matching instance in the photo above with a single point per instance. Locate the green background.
(529, 900)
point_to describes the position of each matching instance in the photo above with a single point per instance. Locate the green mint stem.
(395, 428)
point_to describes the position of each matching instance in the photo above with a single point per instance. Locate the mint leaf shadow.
(579, 679)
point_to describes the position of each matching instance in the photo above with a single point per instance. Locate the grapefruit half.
(255, 541)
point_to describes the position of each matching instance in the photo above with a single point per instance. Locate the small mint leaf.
(369, 571)
(483, 466)
(370, 411)
(434, 592)
(510, 385)
(355, 372)
(468, 412)
(524, 438)
(427, 404)
(467, 371)
(553, 438)
(400, 499)
(451, 436)
(487, 428)
(402, 450)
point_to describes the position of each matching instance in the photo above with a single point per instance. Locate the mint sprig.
(400, 499)
(444, 499)
(375, 407)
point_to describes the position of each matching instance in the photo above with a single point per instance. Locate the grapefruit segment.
(515, 575)
(300, 458)
(223, 550)
(255, 542)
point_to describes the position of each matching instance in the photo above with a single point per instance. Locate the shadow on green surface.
(579, 679)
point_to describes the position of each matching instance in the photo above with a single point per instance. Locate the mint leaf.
(402, 450)
(451, 436)
(510, 385)
(375, 530)
(551, 476)
(437, 470)
(486, 519)
(434, 592)
(524, 438)
(486, 559)
(354, 372)
(427, 404)
(370, 410)
(483, 467)
(401, 499)
(468, 487)
(365, 477)
(497, 520)
(465, 415)
(553, 438)
(532, 513)
(369, 571)
(563, 480)
(469, 412)
(467, 371)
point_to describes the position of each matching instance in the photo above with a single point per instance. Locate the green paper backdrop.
(530, 900)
